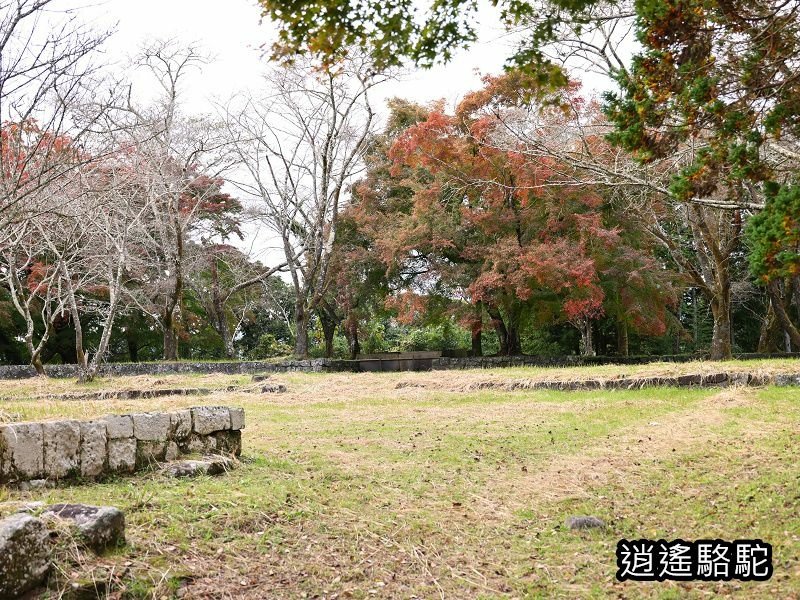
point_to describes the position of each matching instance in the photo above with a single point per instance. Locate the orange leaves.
(487, 217)
(512, 88)
(582, 308)
(26, 150)
(559, 267)
(432, 144)
(409, 306)
(38, 274)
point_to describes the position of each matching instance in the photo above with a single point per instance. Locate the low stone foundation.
(56, 450)
(635, 383)
(420, 362)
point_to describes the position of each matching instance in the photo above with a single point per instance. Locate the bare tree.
(46, 80)
(43, 78)
(71, 259)
(300, 145)
(112, 223)
(34, 278)
(178, 164)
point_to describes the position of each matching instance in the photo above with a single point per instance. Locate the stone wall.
(114, 444)
(635, 383)
(166, 368)
(328, 364)
(491, 362)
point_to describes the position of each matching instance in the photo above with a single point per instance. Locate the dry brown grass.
(623, 453)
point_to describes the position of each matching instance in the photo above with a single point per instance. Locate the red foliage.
(37, 275)
(27, 151)
(461, 207)
(527, 236)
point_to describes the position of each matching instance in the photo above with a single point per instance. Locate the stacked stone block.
(113, 444)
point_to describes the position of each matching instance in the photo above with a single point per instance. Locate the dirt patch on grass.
(623, 453)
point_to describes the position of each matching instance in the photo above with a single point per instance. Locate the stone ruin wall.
(115, 444)
(317, 365)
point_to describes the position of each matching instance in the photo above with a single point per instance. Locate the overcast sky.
(237, 41)
(233, 34)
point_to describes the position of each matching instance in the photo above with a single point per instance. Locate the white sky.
(232, 34)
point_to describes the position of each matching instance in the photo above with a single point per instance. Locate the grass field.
(420, 486)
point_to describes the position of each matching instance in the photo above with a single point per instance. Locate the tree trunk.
(329, 331)
(329, 321)
(36, 361)
(499, 328)
(225, 333)
(133, 347)
(36, 350)
(721, 348)
(717, 236)
(514, 342)
(175, 299)
(301, 319)
(115, 283)
(587, 337)
(217, 309)
(170, 337)
(695, 321)
(791, 332)
(351, 333)
(230, 351)
(796, 295)
(81, 359)
(23, 308)
(219, 322)
(476, 330)
(622, 338)
(477, 334)
(766, 328)
(170, 344)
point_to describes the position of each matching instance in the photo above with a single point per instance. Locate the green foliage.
(774, 236)
(272, 315)
(269, 346)
(394, 31)
(747, 333)
(135, 338)
(548, 341)
(695, 317)
(11, 323)
(718, 75)
(444, 336)
(375, 337)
